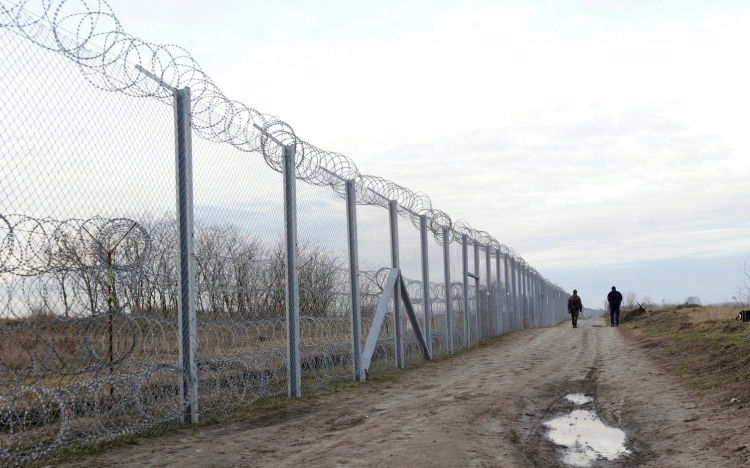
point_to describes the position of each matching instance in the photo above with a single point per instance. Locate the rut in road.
(484, 407)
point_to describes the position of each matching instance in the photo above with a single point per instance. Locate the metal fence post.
(533, 296)
(563, 305)
(477, 293)
(393, 218)
(294, 362)
(547, 304)
(465, 260)
(425, 283)
(351, 224)
(524, 296)
(529, 298)
(555, 297)
(186, 265)
(542, 302)
(519, 269)
(527, 315)
(538, 301)
(554, 305)
(513, 308)
(521, 297)
(551, 306)
(508, 297)
(491, 315)
(543, 307)
(513, 291)
(532, 300)
(448, 298)
(498, 294)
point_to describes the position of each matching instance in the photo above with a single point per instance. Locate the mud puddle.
(585, 437)
(579, 398)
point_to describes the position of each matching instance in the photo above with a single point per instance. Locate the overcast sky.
(607, 142)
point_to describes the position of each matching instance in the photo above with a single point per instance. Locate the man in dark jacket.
(615, 298)
(574, 307)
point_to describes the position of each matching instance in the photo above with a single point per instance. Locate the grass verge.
(705, 346)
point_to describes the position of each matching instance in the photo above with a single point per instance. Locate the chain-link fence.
(168, 255)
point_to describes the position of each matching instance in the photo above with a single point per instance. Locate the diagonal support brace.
(377, 321)
(393, 281)
(413, 319)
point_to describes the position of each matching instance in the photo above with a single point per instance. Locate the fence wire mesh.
(146, 277)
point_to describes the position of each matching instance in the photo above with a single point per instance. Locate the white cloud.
(589, 132)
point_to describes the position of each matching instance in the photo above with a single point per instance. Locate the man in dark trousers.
(615, 298)
(575, 307)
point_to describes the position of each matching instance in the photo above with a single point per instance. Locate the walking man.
(615, 298)
(574, 307)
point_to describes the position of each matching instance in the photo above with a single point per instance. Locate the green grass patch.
(709, 386)
(683, 367)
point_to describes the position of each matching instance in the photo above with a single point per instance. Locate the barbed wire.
(89, 339)
(83, 350)
(34, 246)
(89, 33)
(83, 357)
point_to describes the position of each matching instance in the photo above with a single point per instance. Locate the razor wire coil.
(88, 33)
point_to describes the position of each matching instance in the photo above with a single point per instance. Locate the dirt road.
(482, 408)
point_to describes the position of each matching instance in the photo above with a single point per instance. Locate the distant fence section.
(169, 255)
(588, 313)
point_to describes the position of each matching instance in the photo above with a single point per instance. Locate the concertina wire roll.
(88, 33)
(88, 344)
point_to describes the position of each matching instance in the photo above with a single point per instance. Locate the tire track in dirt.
(481, 408)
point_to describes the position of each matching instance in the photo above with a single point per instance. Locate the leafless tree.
(237, 277)
(742, 290)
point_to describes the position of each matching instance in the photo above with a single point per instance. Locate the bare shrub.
(323, 283)
(630, 300)
(238, 277)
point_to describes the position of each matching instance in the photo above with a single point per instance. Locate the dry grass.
(706, 346)
(708, 314)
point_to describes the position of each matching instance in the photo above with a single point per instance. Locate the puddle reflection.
(585, 436)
